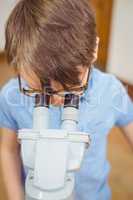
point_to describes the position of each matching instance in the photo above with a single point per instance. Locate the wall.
(5, 9)
(120, 58)
(103, 10)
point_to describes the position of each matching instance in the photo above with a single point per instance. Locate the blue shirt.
(104, 105)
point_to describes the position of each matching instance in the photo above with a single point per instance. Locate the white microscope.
(52, 155)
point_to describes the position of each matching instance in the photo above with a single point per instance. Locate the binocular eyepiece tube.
(69, 118)
(71, 100)
(70, 112)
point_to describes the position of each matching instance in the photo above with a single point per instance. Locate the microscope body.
(51, 156)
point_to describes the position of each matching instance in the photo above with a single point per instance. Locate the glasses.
(32, 92)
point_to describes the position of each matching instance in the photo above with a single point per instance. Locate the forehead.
(33, 80)
(82, 73)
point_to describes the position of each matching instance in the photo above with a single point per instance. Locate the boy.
(54, 42)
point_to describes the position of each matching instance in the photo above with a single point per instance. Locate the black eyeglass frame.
(30, 92)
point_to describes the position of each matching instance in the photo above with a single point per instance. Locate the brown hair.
(51, 37)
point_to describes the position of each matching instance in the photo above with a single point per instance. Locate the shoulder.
(12, 84)
(7, 99)
(11, 98)
(105, 89)
(9, 93)
(103, 81)
(103, 76)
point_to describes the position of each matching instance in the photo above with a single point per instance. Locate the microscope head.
(51, 156)
(41, 112)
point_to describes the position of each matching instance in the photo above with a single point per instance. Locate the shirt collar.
(86, 93)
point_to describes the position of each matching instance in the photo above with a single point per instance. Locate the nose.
(56, 100)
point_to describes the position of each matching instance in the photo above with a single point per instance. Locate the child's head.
(51, 39)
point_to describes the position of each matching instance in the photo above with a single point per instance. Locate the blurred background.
(115, 29)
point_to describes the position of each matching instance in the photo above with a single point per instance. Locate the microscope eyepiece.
(71, 100)
(42, 100)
